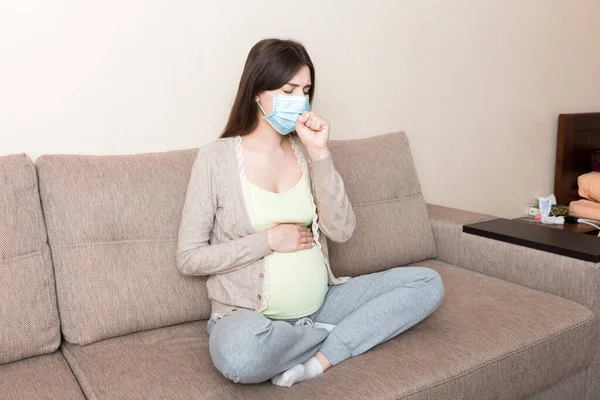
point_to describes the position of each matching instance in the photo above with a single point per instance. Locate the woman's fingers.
(316, 123)
(312, 121)
(304, 117)
(306, 239)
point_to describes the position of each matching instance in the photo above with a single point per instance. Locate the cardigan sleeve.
(195, 255)
(335, 213)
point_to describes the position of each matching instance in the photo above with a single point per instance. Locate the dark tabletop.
(578, 228)
(523, 233)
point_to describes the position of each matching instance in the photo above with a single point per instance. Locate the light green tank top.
(296, 282)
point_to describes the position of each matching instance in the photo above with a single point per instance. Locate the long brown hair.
(270, 64)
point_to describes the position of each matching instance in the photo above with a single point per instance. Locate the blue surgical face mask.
(286, 109)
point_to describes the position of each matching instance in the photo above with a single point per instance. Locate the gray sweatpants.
(248, 347)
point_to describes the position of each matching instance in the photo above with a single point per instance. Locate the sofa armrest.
(447, 223)
(563, 276)
(570, 278)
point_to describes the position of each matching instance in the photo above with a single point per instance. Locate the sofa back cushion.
(392, 223)
(29, 324)
(112, 226)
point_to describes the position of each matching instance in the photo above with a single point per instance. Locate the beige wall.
(477, 85)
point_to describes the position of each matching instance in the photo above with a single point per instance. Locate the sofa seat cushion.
(42, 377)
(488, 339)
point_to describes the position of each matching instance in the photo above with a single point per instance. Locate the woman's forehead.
(302, 76)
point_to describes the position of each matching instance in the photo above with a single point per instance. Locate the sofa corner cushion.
(29, 323)
(392, 223)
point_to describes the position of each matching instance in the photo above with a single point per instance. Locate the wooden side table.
(576, 228)
(558, 241)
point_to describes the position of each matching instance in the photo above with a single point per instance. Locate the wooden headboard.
(578, 137)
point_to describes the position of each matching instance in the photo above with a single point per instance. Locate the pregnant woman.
(260, 202)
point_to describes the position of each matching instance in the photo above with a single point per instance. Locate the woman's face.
(299, 85)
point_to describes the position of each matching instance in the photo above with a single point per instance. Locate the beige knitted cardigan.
(216, 236)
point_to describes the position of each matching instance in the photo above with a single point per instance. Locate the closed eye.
(295, 85)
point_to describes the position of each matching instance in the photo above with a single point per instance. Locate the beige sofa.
(93, 306)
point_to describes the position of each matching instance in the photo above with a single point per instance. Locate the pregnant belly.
(297, 283)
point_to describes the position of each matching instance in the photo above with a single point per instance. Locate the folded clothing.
(585, 209)
(589, 186)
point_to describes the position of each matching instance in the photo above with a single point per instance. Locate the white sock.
(299, 373)
(318, 325)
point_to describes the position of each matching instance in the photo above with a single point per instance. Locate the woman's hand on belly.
(287, 238)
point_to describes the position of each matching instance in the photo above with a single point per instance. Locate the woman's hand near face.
(313, 130)
(287, 238)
